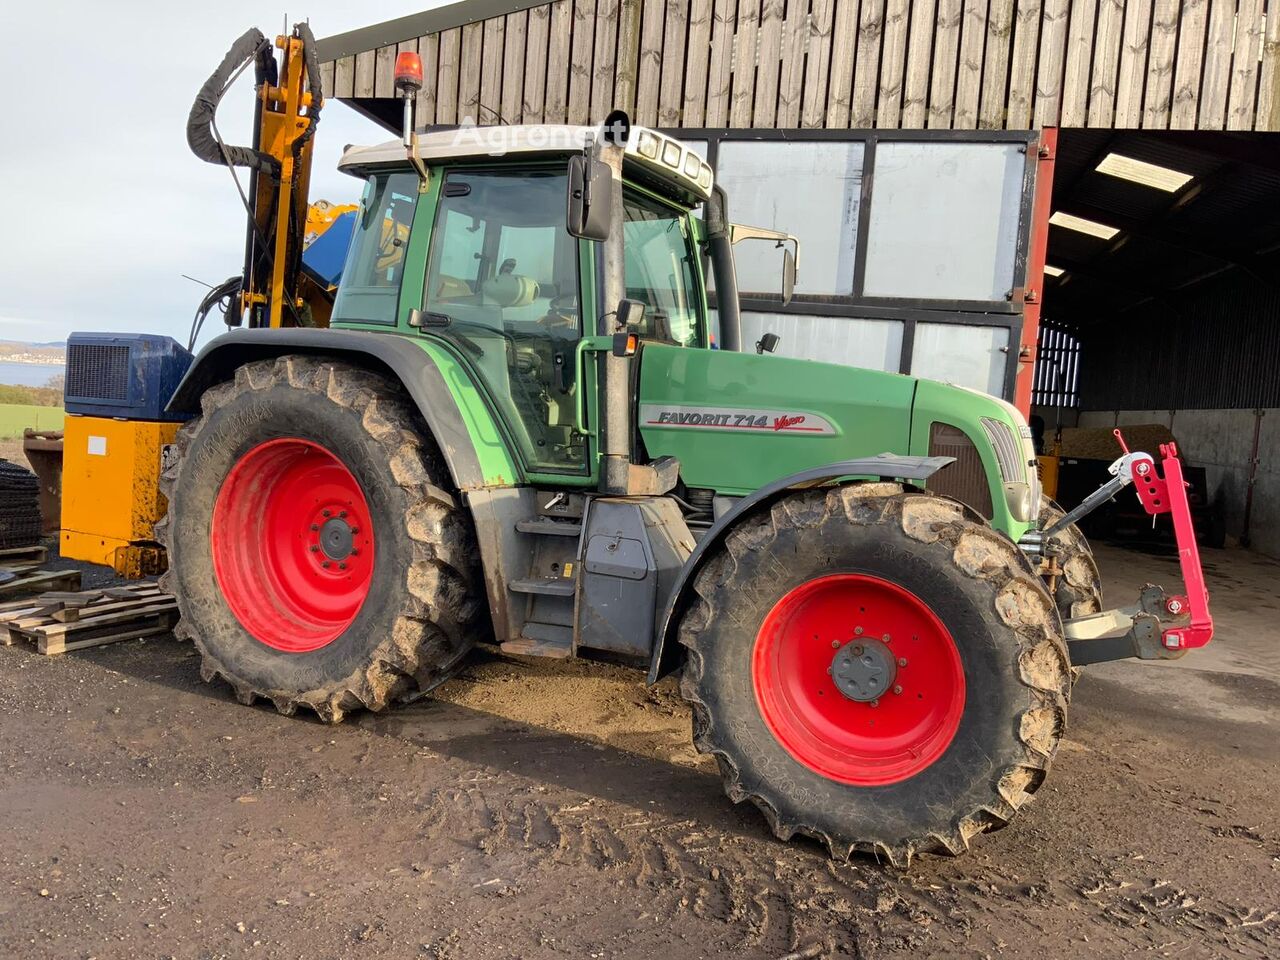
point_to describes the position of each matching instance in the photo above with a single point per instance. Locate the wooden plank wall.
(791, 64)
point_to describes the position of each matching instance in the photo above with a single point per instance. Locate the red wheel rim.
(292, 544)
(883, 740)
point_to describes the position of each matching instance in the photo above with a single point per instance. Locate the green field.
(16, 416)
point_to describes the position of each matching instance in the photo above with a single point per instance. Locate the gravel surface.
(556, 809)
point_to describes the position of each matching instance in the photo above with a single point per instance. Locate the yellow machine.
(118, 385)
(111, 499)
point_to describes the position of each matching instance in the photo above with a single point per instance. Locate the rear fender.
(398, 357)
(886, 466)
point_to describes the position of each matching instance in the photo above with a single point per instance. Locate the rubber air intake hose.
(200, 136)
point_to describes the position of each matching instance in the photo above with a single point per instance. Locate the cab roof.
(650, 154)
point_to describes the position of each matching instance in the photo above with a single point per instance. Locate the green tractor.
(518, 426)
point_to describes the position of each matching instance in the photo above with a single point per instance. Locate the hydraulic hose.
(200, 136)
(312, 62)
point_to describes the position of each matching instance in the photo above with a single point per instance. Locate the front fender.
(400, 357)
(886, 466)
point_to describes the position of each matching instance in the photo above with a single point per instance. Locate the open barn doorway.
(1162, 316)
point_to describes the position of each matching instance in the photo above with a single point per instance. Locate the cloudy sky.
(104, 206)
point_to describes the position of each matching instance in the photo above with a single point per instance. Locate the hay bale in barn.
(1098, 443)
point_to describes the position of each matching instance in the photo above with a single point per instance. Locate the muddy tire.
(1078, 590)
(967, 727)
(316, 553)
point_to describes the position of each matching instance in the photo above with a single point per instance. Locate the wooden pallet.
(23, 555)
(38, 581)
(58, 622)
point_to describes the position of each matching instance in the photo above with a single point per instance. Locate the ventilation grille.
(98, 371)
(965, 480)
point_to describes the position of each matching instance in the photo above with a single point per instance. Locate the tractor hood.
(738, 421)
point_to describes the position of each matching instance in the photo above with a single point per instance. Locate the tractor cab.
(473, 241)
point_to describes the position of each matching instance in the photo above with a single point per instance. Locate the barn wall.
(961, 64)
(1216, 347)
(1221, 441)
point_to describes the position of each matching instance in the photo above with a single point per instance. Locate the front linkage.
(1140, 630)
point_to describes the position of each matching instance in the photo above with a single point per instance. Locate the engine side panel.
(739, 421)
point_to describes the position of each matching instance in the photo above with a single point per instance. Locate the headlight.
(1016, 458)
(1021, 501)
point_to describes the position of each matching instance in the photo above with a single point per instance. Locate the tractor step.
(544, 586)
(542, 640)
(547, 527)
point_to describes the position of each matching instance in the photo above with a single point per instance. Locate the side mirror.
(588, 211)
(788, 275)
(768, 343)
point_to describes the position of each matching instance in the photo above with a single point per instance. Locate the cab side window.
(660, 272)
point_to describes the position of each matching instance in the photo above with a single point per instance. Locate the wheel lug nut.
(342, 566)
(325, 513)
(857, 631)
(355, 531)
(897, 688)
(325, 564)
(902, 661)
(835, 644)
(874, 703)
(314, 548)
(886, 638)
(355, 552)
(315, 526)
(342, 513)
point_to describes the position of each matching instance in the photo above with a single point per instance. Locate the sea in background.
(29, 374)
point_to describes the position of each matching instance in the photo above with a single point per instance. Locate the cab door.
(504, 287)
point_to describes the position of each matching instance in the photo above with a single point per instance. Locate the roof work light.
(408, 82)
(408, 72)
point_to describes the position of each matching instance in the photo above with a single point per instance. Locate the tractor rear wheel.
(1077, 590)
(875, 668)
(316, 555)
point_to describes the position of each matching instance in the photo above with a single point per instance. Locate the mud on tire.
(977, 582)
(420, 615)
(1078, 589)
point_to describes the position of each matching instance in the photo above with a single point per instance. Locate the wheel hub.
(863, 671)
(336, 538)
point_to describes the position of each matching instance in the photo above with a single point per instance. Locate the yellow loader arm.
(273, 290)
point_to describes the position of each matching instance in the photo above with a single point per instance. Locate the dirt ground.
(540, 810)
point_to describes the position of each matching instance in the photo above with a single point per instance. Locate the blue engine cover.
(126, 375)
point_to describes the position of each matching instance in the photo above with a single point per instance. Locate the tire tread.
(437, 623)
(977, 551)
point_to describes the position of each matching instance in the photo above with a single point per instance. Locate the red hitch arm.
(1168, 494)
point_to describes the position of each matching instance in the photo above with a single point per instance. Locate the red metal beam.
(1034, 285)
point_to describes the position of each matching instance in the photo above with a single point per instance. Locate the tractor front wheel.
(875, 668)
(317, 557)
